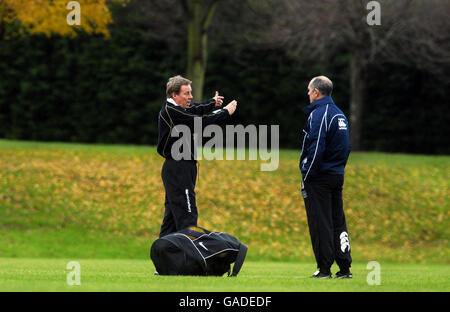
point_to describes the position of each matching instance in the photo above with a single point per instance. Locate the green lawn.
(103, 205)
(21, 274)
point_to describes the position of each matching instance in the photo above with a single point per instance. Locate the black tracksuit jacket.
(179, 176)
(172, 115)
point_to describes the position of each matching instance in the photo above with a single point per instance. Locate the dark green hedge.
(89, 89)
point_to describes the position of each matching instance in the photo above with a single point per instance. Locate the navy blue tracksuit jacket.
(326, 142)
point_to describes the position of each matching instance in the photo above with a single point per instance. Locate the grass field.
(137, 275)
(102, 205)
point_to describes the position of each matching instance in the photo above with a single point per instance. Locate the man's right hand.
(231, 107)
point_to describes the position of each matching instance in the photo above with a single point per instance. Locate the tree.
(51, 17)
(199, 13)
(182, 23)
(42, 18)
(411, 32)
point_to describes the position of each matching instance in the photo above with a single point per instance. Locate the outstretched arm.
(207, 106)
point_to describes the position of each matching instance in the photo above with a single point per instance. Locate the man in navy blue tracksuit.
(325, 150)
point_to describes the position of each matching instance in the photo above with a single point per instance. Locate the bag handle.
(194, 232)
(239, 260)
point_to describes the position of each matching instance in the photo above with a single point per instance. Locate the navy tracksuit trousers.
(326, 220)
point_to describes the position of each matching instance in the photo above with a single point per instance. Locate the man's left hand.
(218, 99)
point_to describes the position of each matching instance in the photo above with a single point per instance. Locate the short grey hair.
(323, 84)
(174, 85)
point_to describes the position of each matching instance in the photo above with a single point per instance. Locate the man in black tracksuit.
(179, 170)
(325, 150)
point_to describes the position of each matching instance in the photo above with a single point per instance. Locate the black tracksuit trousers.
(179, 179)
(326, 220)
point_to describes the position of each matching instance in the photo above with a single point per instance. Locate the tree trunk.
(199, 19)
(196, 59)
(357, 97)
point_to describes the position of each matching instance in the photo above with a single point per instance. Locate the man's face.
(313, 94)
(184, 98)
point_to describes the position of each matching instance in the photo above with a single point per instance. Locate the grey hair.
(323, 84)
(174, 85)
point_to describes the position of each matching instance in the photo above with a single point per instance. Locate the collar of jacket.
(323, 101)
(172, 101)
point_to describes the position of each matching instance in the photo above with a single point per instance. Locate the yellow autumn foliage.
(50, 17)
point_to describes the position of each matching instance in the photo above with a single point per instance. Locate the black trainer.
(319, 274)
(347, 274)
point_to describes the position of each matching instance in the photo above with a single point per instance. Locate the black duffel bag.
(196, 251)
